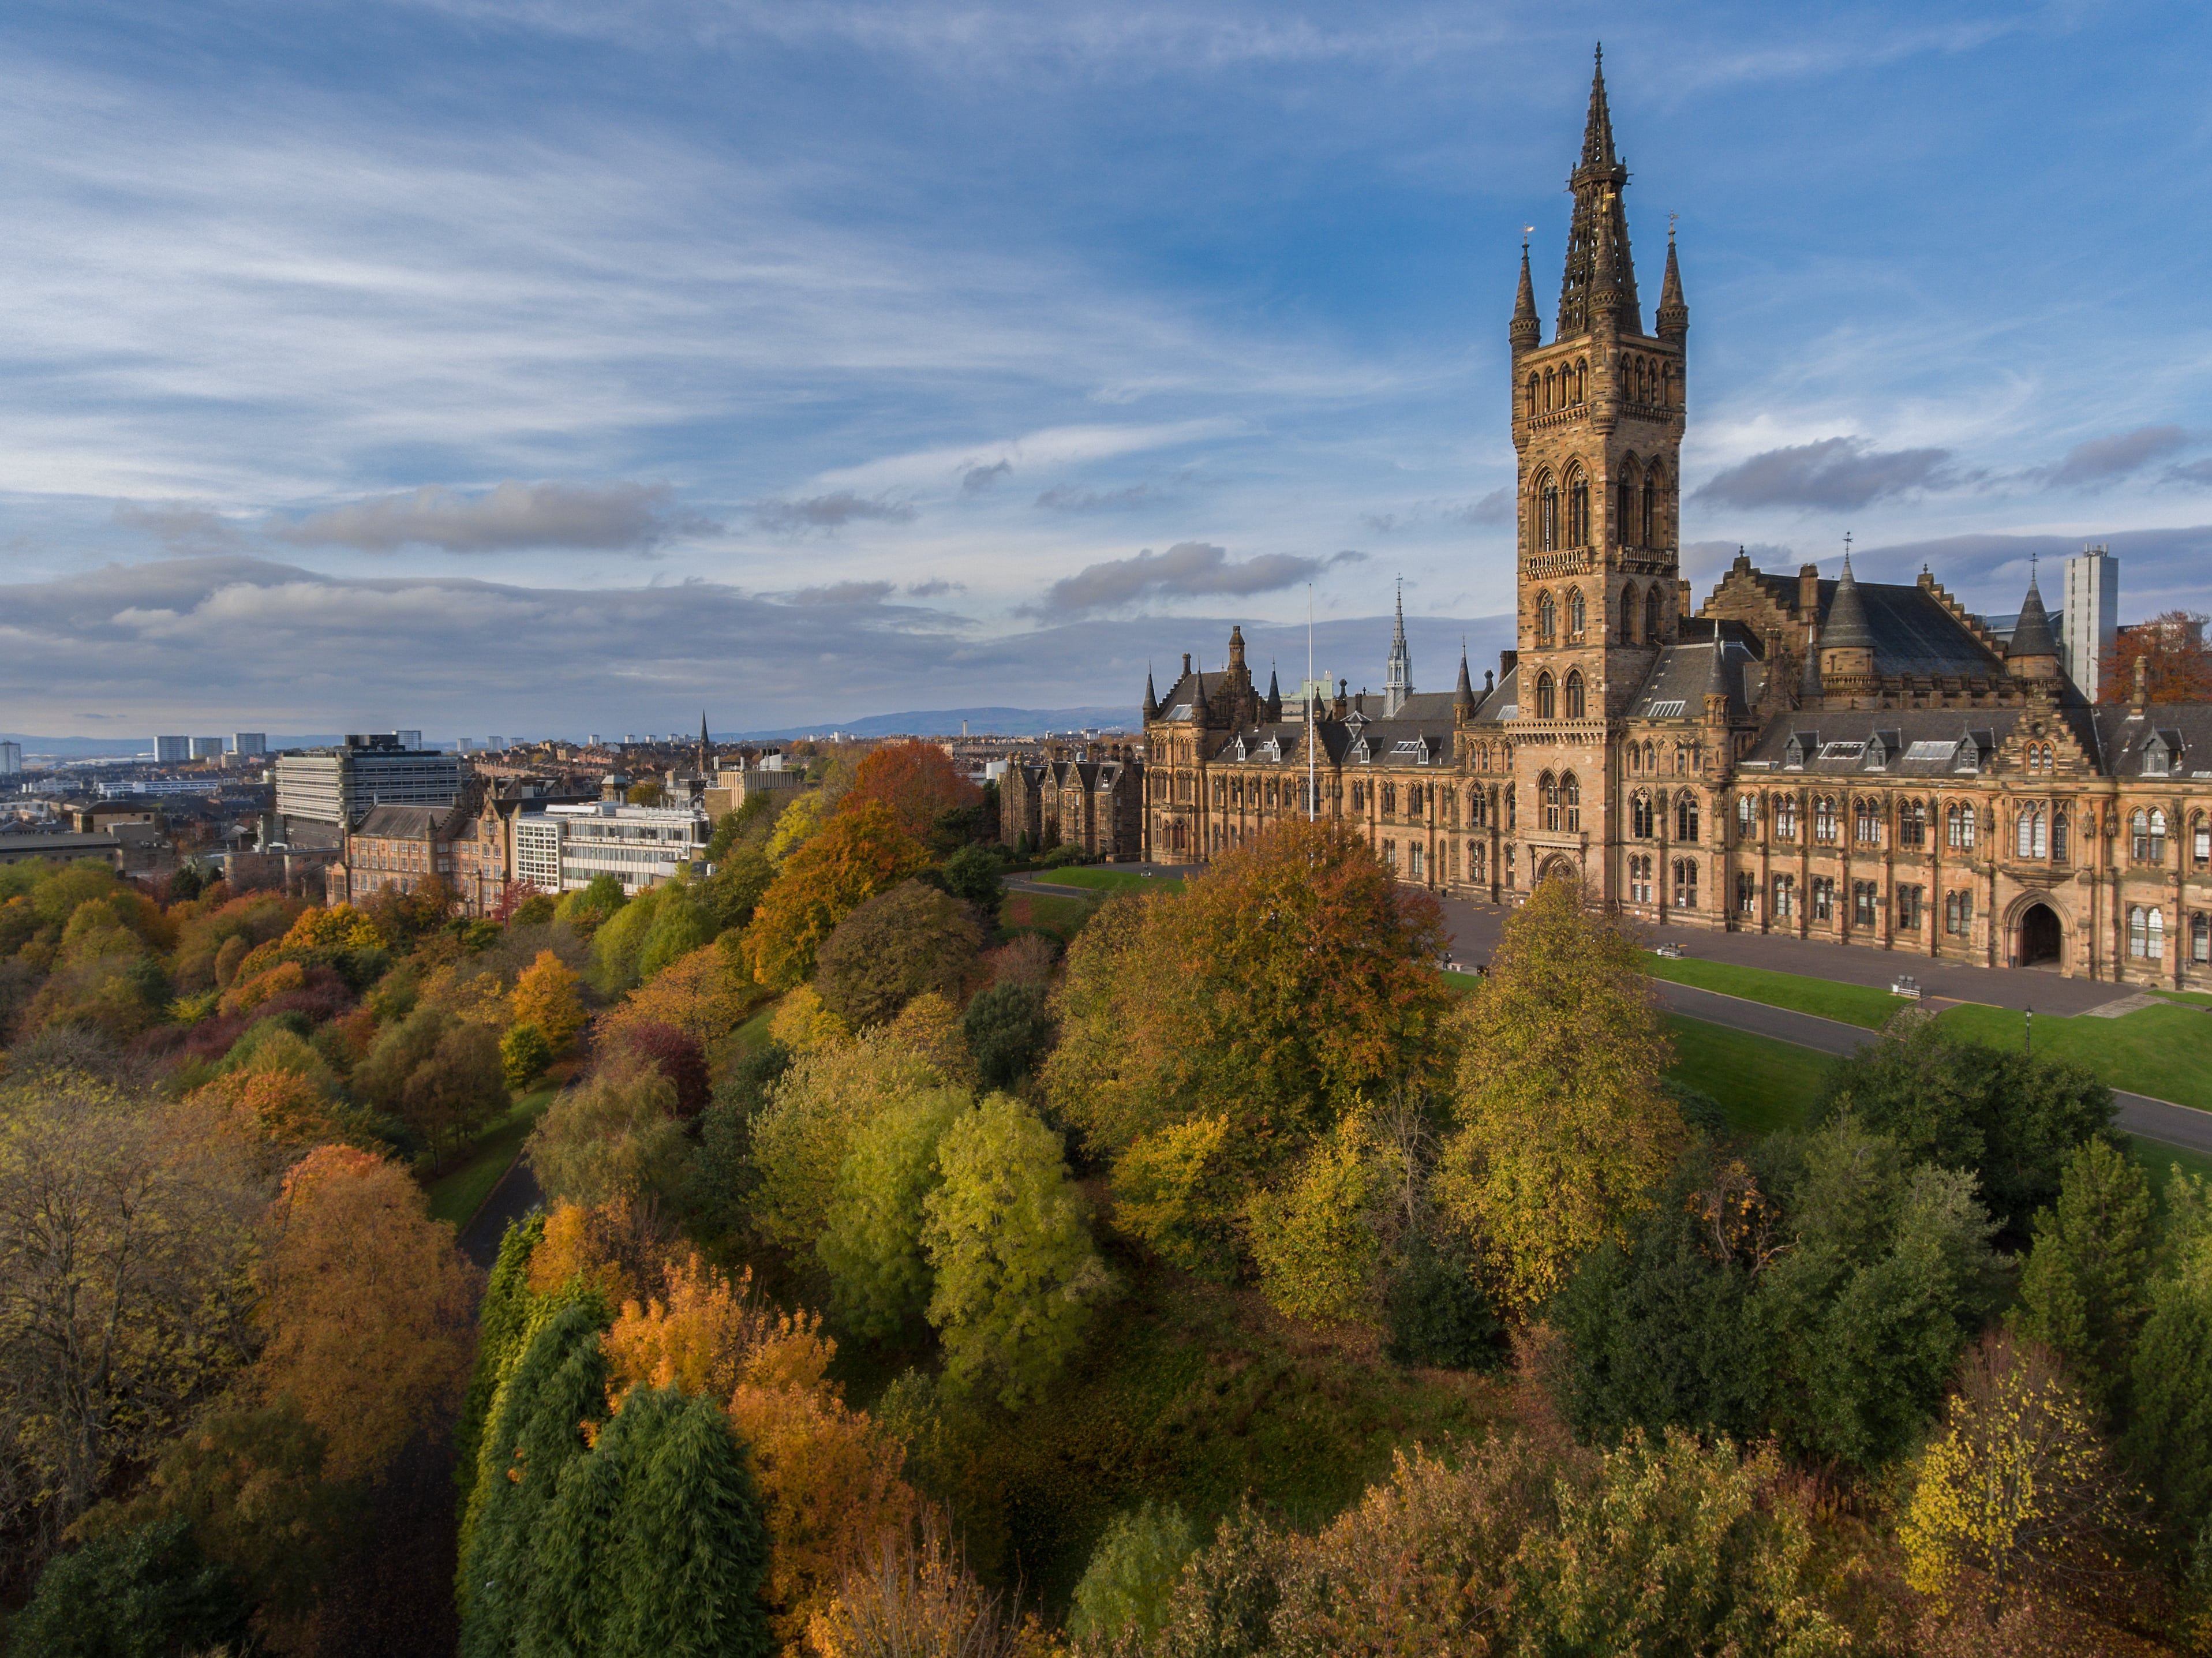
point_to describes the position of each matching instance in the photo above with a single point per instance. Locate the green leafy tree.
(1008, 1234)
(2084, 1292)
(972, 875)
(150, 1593)
(524, 1054)
(734, 890)
(1176, 1191)
(1009, 1030)
(614, 1135)
(871, 1242)
(502, 1325)
(380, 1081)
(619, 945)
(2011, 1120)
(1562, 1128)
(1437, 1312)
(458, 1088)
(683, 920)
(898, 945)
(718, 1189)
(1131, 1573)
(1316, 1240)
(587, 909)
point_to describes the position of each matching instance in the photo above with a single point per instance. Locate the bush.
(1314, 1241)
(1009, 1029)
(1131, 1574)
(1062, 857)
(524, 1054)
(144, 1593)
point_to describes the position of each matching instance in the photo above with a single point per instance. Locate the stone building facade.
(1859, 762)
(1093, 801)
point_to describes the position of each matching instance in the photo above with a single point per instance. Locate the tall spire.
(2031, 635)
(1398, 679)
(705, 742)
(1674, 309)
(1527, 332)
(1597, 243)
(1845, 628)
(1151, 697)
(1463, 702)
(1274, 704)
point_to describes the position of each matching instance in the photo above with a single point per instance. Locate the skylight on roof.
(1842, 751)
(1930, 750)
(1666, 710)
(1181, 711)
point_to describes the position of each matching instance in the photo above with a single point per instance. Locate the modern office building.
(2089, 626)
(206, 748)
(561, 848)
(249, 743)
(12, 759)
(321, 794)
(171, 751)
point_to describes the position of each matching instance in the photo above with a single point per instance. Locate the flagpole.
(1313, 781)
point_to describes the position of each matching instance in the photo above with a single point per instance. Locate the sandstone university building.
(1843, 760)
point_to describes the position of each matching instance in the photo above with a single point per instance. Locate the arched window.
(1652, 615)
(1570, 797)
(1548, 517)
(1389, 797)
(1685, 884)
(1639, 816)
(1575, 693)
(2147, 934)
(1551, 389)
(1577, 616)
(1650, 760)
(1628, 614)
(2157, 836)
(1547, 793)
(1639, 880)
(2200, 937)
(1475, 860)
(1635, 760)
(1823, 819)
(2058, 835)
(1747, 817)
(1413, 799)
(1866, 823)
(1578, 513)
(1785, 818)
(1547, 619)
(1532, 407)
(1686, 816)
(1582, 378)
(1912, 823)
(2148, 837)
(2032, 833)
(1475, 815)
(1545, 710)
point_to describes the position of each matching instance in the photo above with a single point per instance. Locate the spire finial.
(1597, 242)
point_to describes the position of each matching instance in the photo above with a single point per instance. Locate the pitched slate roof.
(1910, 629)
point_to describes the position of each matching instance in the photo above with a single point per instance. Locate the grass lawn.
(456, 1195)
(1093, 878)
(1763, 1084)
(2158, 1160)
(1063, 916)
(1850, 1004)
(2164, 1051)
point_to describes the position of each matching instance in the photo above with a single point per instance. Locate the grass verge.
(1094, 879)
(457, 1194)
(1763, 1084)
(2165, 1051)
(1857, 1004)
(1030, 910)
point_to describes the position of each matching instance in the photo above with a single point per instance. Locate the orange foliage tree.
(339, 927)
(367, 1305)
(704, 995)
(544, 995)
(860, 853)
(917, 780)
(2177, 662)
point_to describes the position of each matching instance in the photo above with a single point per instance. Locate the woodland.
(914, 1265)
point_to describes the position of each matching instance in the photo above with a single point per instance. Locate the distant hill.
(947, 722)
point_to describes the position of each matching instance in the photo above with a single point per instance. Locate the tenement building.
(1852, 760)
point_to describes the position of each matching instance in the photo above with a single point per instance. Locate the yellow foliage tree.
(369, 1306)
(544, 995)
(704, 995)
(854, 856)
(472, 994)
(799, 820)
(339, 927)
(1176, 1190)
(2018, 1492)
(1562, 1128)
(246, 994)
(615, 1246)
(699, 1338)
(802, 1023)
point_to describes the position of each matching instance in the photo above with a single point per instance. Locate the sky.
(531, 367)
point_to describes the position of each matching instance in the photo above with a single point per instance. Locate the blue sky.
(526, 366)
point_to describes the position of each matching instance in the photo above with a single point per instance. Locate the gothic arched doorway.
(1558, 869)
(2042, 940)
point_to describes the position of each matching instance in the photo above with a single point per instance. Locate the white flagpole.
(1313, 783)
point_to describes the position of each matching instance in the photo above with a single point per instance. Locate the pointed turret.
(1151, 697)
(1199, 711)
(1463, 702)
(1398, 680)
(1527, 332)
(1273, 705)
(1599, 284)
(1846, 627)
(2032, 652)
(1674, 309)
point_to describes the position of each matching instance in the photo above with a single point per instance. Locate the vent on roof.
(1930, 750)
(1665, 710)
(1181, 711)
(1417, 747)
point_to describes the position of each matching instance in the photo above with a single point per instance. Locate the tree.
(1315, 1241)
(2177, 662)
(893, 948)
(380, 1081)
(340, 928)
(705, 995)
(618, 947)
(671, 1051)
(458, 1088)
(699, 1335)
(502, 1325)
(143, 1594)
(802, 1023)
(972, 875)
(2011, 1120)
(1562, 1128)
(737, 884)
(2084, 1292)
(911, 1591)
(683, 922)
(126, 1228)
(650, 792)
(524, 1054)
(854, 856)
(796, 824)
(1008, 1028)
(1008, 1236)
(2019, 1488)
(587, 909)
(614, 1135)
(2168, 1441)
(1176, 1191)
(1131, 1573)
(871, 1239)
(917, 781)
(544, 995)
(368, 1306)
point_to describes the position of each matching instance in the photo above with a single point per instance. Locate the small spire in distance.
(1674, 309)
(1527, 330)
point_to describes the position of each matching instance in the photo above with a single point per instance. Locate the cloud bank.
(1838, 473)
(1189, 570)
(512, 518)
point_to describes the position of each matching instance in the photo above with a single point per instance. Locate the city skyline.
(576, 370)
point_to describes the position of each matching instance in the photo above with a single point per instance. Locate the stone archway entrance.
(2042, 938)
(1558, 868)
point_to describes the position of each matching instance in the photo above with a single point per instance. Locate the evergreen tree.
(2083, 1293)
(503, 1322)
(2169, 1435)
(143, 1594)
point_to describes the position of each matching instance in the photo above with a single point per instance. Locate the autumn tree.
(1317, 1239)
(917, 781)
(502, 1324)
(544, 995)
(2083, 1293)
(1562, 1126)
(671, 1051)
(1007, 1234)
(615, 1134)
(871, 1239)
(126, 1228)
(2177, 663)
(911, 1592)
(704, 995)
(854, 856)
(893, 948)
(2018, 1490)
(458, 1087)
(368, 1308)
(524, 1054)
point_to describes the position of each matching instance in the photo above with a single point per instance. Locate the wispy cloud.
(608, 517)
(1189, 570)
(2104, 461)
(1070, 498)
(1836, 473)
(830, 512)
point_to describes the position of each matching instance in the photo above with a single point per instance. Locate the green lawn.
(1094, 879)
(1850, 1004)
(1063, 916)
(1763, 1084)
(457, 1194)
(2164, 1051)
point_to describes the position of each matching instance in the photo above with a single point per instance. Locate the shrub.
(144, 1593)
(1131, 1573)
(524, 1054)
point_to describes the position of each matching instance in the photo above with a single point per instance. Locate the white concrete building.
(2090, 624)
(561, 848)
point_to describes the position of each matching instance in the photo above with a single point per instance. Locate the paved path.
(515, 1196)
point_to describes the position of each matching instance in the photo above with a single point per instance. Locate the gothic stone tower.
(1597, 427)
